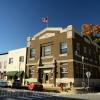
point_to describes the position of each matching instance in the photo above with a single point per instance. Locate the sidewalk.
(66, 91)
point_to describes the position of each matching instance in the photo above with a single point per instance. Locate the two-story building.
(57, 55)
(16, 64)
(3, 65)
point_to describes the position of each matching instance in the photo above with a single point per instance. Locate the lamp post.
(19, 70)
(55, 65)
(83, 81)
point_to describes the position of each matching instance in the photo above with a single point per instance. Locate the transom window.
(32, 52)
(46, 50)
(63, 47)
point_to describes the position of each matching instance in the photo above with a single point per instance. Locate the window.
(31, 73)
(96, 49)
(63, 47)
(51, 73)
(63, 71)
(32, 53)
(5, 64)
(10, 60)
(99, 59)
(94, 55)
(46, 50)
(90, 52)
(85, 50)
(0, 65)
(21, 59)
(78, 48)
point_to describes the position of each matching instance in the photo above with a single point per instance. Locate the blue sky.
(22, 18)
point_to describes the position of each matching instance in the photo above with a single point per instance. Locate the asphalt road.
(32, 95)
(67, 97)
(39, 98)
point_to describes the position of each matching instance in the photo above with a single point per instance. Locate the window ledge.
(63, 54)
(46, 57)
(32, 58)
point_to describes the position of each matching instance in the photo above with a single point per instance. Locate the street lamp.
(83, 82)
(55, 65)
(19, 70)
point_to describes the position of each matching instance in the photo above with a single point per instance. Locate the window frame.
(63, 48)
(46, 51)
(63, 72)
(10, 60)
(21, 59)
(78, 48)
(32, 54)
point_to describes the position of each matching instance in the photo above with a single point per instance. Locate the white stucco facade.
(16, 65)
(3, 62)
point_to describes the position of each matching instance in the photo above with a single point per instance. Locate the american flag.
(45, 19)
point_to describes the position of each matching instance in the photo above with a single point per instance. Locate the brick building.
(57, 55)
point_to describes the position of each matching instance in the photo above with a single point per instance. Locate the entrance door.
(47, 78)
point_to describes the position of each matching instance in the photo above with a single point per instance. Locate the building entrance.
(46, 78)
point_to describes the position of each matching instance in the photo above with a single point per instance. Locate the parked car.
(16, 84)
(36, 86)
(3, 83)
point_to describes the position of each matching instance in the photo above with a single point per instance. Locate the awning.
(31, 80)
(19, 73)
(11, 73)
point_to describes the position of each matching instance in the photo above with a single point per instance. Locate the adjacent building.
(3, 65)
(16, 65)
(57, 55)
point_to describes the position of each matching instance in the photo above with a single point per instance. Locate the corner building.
(57, 55)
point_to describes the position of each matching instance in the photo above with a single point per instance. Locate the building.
(57, 55)
(16, 65)
(3, 65)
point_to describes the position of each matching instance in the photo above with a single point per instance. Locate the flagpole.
(47, 22)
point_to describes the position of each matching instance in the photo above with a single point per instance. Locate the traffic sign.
(88, 74)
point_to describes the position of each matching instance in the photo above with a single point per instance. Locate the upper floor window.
(32, 53)
(99, 59)
(5, 64)
(10, 60)
(63, 47)
(96, 49)
(85, 49)
(78, 48)
(95, 55)
(89, 51)
(46, 50)
(0, 65)
(21, 59)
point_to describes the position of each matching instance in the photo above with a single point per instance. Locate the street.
(67, 97)
(17, 94)
(38, 98)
